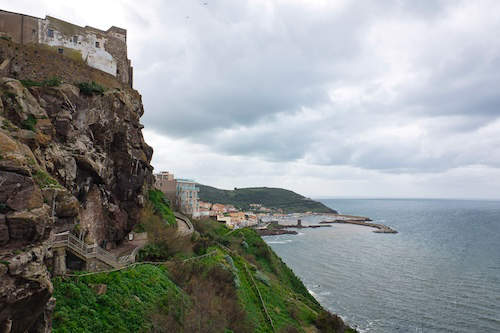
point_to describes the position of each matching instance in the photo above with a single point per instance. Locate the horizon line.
(399, 198)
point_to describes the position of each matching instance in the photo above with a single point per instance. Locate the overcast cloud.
(328, 98)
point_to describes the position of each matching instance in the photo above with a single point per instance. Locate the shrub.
(29, 123)
(30, 83)
(90, 88)
(329, 323)
(44, 180)
(163, 238)
(201, 245)
(7, 125)
(216, 306)
(51, 82)
(289, 329)
(139, 227)
(154, 252)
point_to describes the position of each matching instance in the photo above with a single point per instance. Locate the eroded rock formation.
(68, 161)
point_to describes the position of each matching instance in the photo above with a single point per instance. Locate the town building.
(251, 218)
(219, 208)
(205, 205)
(204, 208)
(187, 197)
(103, 50)
(204, 212)
(231, 209)
(225, 219)
(238, 216)
(165, 182)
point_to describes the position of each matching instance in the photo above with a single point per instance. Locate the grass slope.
(130, 295)
(233, 283)
(277, 198)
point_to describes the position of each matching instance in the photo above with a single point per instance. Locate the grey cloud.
(240, 72)
(357, 95)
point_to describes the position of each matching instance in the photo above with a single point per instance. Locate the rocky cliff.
(70, 159)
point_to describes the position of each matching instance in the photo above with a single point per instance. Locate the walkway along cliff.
(75, 178)
(72, 158)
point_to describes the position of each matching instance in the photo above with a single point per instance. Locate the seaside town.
(183, 194)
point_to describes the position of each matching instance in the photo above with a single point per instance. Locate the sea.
(440, 273)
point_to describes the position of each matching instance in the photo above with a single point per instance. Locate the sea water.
(440, 273)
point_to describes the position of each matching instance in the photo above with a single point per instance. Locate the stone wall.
(39, 62)
(103, 50)
(22, 29)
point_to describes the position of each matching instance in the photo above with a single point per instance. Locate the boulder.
(28, 225)
(19, 192)
(99, 289)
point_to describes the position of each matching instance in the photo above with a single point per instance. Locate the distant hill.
(269, 197)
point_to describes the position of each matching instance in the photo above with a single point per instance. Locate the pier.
(359, 220)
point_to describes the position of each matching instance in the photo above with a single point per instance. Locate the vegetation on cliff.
(277, 198)
(219, 281)
(161, 206)
(68, 161)
(128, 299)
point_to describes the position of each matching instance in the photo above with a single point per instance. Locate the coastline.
(274, 228)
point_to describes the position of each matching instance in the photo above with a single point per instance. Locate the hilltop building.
(103, 50)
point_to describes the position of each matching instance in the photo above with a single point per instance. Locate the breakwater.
(274, 228)
(359, 220)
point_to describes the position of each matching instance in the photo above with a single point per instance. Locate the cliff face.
(68, 160)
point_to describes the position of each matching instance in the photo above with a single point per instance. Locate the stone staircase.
(87, 253)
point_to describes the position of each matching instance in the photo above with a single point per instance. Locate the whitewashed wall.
(96, 57)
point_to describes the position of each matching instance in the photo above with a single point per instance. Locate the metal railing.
(91, 251)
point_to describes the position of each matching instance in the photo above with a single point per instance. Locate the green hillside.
(269, 197)
(232, 282)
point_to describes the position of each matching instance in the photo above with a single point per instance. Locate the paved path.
(184, 225)
(127, 247)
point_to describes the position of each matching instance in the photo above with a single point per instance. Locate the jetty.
(360, 220)
(274, 228)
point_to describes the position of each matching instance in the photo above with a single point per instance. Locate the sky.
(327, 98)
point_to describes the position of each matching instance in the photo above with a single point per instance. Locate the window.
(75, 39)
(61, 51)
(96, 44)
(50, 33)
